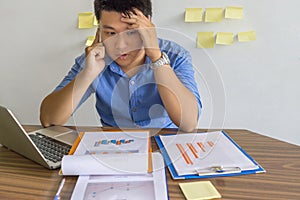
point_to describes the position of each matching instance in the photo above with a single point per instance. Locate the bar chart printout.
(193, 152)
(114, 143)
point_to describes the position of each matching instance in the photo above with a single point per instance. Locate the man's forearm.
(58, 106)
(179, 102)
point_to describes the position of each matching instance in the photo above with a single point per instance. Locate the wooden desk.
(21, 178)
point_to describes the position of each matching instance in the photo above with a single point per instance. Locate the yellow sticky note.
(205, 40)
(90, 40)
(246, 36)
(234, 12)
(224, 38)
(86, 20)
(193, 14)
(199, 190)
(213, 14)
(95, 22)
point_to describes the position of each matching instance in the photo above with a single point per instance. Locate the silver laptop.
(46, 146)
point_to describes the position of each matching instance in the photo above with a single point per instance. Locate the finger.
(129, 20)
(137, 12)
(99, 50)
(96, 40)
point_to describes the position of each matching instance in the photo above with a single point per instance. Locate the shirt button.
(132, 82)
(134, 109)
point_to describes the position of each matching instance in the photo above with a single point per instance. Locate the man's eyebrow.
(108, 27)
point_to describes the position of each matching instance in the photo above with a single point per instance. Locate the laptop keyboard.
(51, 149)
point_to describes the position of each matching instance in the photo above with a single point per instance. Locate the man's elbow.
(189, 126)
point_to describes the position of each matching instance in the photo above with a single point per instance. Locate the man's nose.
(121, 41)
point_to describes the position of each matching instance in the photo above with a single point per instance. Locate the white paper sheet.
(109, 153)
(105, 164)
(134, 187)
(210, 149)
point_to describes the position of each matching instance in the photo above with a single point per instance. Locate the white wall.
(246, 85)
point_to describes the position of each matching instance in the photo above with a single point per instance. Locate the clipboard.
(212, 170)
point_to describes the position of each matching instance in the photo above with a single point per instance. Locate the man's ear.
(149, 17)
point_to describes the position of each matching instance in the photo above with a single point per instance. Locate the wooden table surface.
(21, 178)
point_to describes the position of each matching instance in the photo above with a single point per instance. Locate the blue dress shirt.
(123, 101)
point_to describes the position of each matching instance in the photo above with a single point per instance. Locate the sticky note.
(234, 12)
(246, 36)
(193, 14)
(213, 14)
(85, 20)
(90, 40)
(224, 38)
(205, 40)
(95, 21)
(199, 190)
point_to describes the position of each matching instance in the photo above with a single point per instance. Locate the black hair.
(122, 6)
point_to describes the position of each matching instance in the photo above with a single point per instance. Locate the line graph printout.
(122, 189)
(125, 186)
(194, 152)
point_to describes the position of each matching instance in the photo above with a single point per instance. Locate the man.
(138, 79)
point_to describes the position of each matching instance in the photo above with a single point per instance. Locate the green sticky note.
(246, 36)
(85, 20)
(205, 40)
(213, 14)
(193, 15)
(224, 38)
(199, 190)
(232, 12)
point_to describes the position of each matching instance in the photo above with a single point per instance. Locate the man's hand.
(137, 20)
(95, 53)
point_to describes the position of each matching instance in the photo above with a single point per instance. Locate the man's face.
(124, 46)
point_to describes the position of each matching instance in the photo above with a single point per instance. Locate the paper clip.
(217, 169)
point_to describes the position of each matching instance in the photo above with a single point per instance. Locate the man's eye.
(110, 33)
(131, 32)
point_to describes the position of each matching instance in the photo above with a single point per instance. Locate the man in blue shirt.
(139, 80)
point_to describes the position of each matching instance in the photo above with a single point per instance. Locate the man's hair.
(122, 6)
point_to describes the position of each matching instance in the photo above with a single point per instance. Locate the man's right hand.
(95, 53)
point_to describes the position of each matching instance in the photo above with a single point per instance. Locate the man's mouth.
(122, 56)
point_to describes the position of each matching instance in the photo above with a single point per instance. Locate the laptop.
(46, 146)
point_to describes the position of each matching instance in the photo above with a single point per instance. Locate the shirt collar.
(114, 67)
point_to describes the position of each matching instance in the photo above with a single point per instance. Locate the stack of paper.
(115, 165)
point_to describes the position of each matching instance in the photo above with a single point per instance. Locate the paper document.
(205, 153)
(134, 187)
(109, 153)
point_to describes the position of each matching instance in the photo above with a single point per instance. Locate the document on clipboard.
(204, 155)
